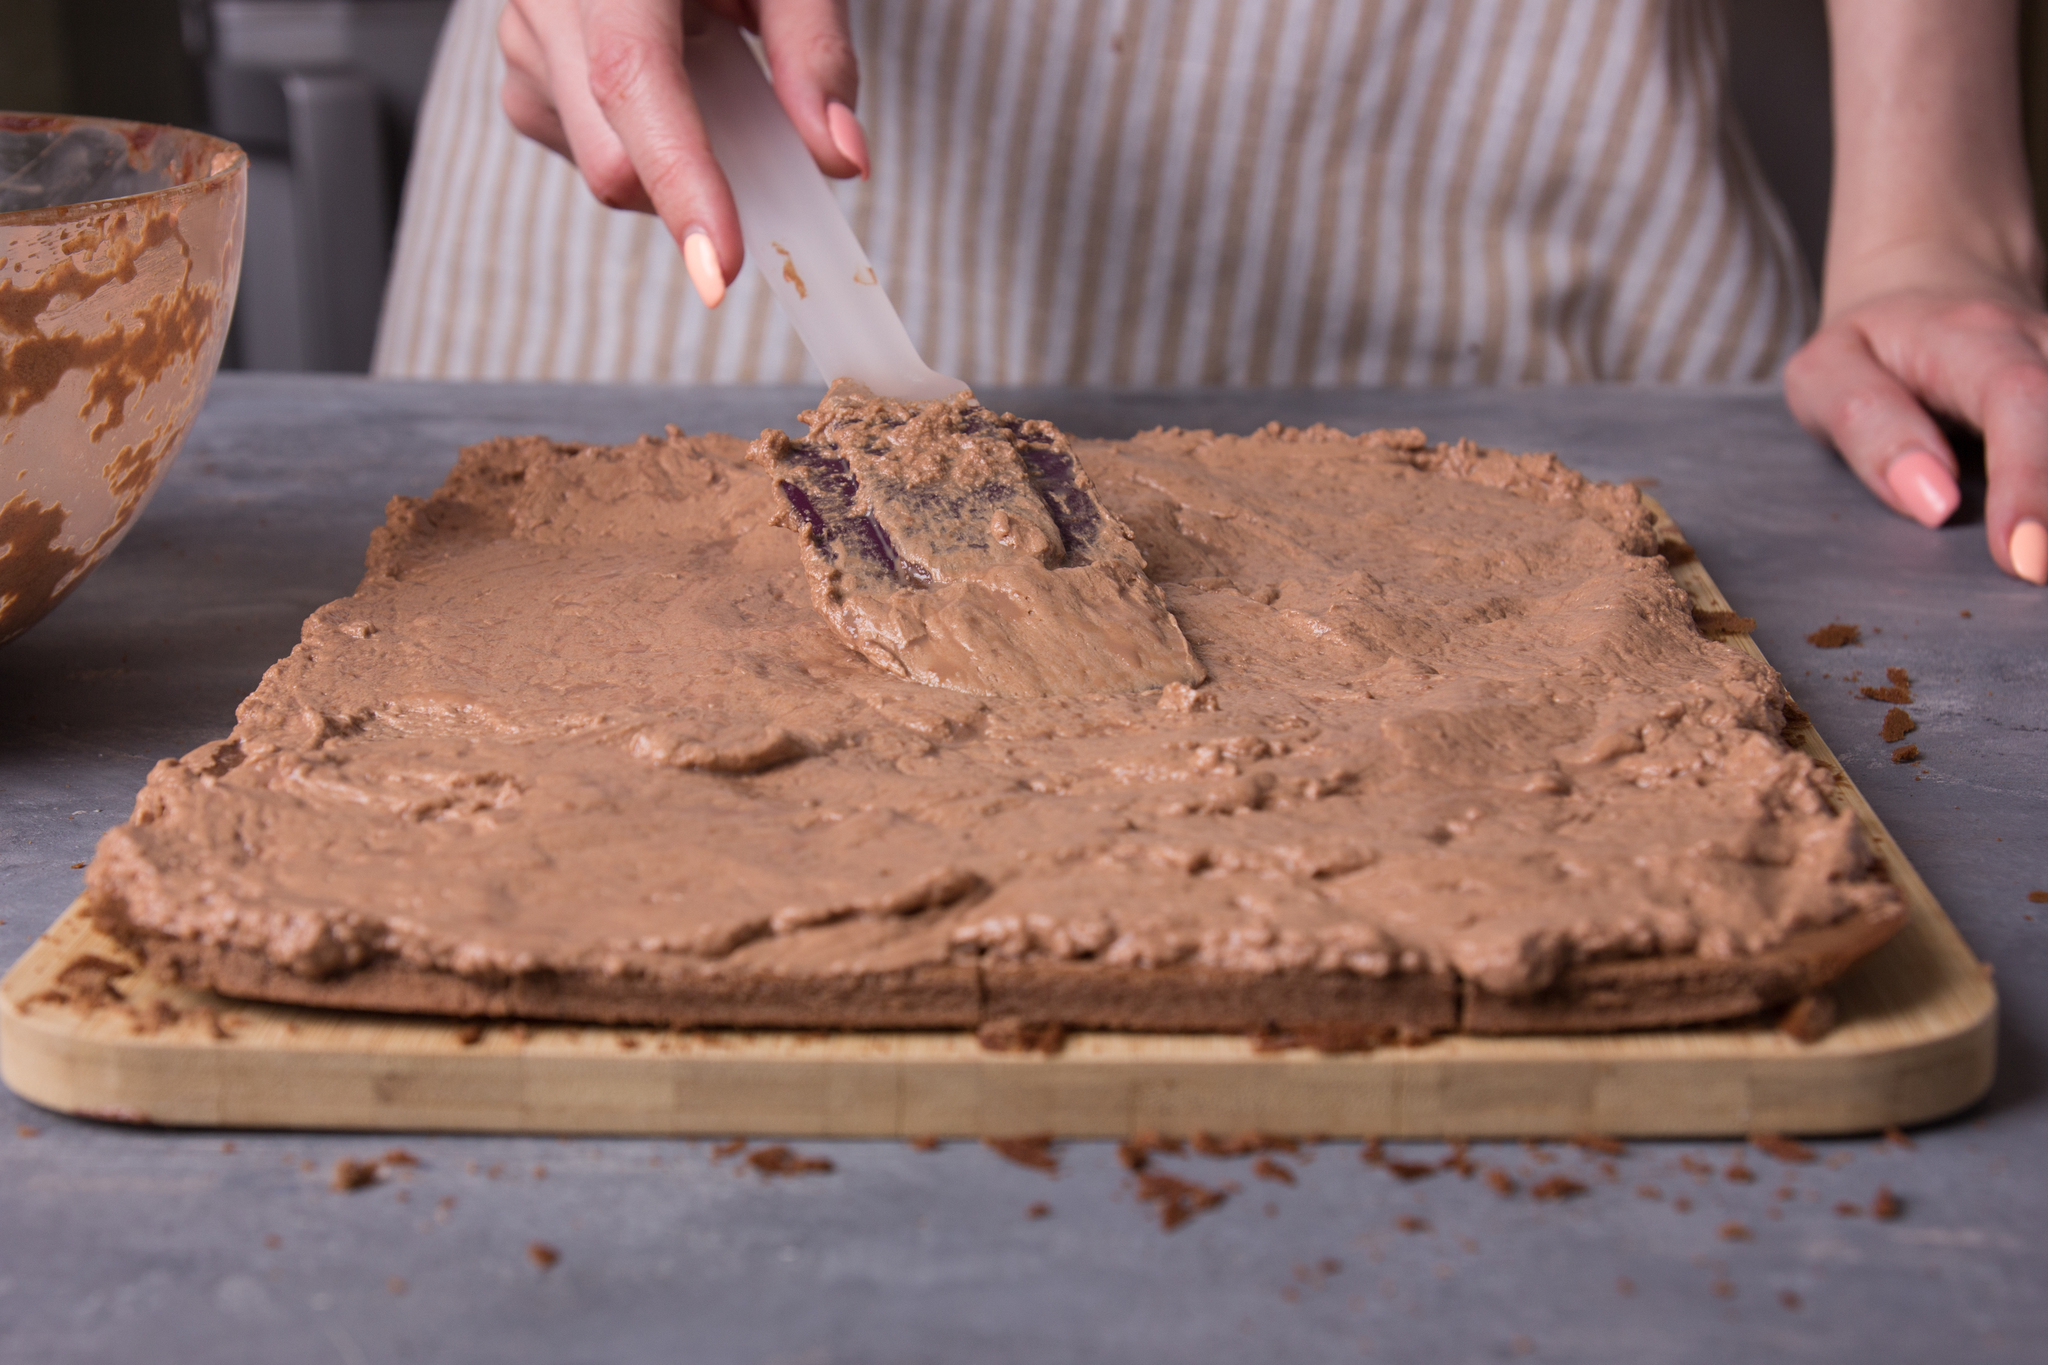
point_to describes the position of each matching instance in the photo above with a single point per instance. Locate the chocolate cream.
(1444, 709)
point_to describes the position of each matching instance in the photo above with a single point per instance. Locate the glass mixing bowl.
(120, 249)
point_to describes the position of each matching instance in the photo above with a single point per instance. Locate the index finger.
(1992, 373)
(634, 51)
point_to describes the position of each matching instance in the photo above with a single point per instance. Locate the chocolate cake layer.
(581, 747)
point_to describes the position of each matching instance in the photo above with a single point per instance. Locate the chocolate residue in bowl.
(169, 328)
(35, 572)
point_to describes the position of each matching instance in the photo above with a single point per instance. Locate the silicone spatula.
(791, 223)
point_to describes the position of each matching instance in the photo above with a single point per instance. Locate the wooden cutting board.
(82, 1032)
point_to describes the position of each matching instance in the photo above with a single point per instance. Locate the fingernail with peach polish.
(700, 258)
(1924, 487)
(847, 135)
(2029, 550)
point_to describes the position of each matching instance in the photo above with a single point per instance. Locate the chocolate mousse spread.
(1442, 748)
(965, 550)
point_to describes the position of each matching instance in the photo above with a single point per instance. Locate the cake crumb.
(1845, 1209)
(780, 1160)
(2038, 897)
(1898, 723)
(1265, 1168)
(1790, 1299)
(732, 1147)
(1895, 1136)
(350, 1174)
(1779, 1146)
(1676, 552)
(1735, 1232)
(1625, 1287)
(1500, 1182)
(1178, 1200)
(1648, 1192)
(1604, 1146)
(1333, 1040)
(1886, 1206)
(1017, 1035)
(924, 1142)
(1835, 635)
(396, 1285)
(1038, 1211)
(1739, 1174)
(1808, 1019)
(1681, 1205)
(1242, 1144)
(1906, 753)
(1408, 1171)
(1409, 1222)
(1722, 1287)
(1033, 1150)
(1556, 1187)
(398, 1156)
(542, 1255)
(27, 1130)
(1900, 692)
(1724, 622)
(1136, 1152)
(271, 1241)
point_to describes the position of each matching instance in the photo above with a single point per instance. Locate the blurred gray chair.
(323, 94)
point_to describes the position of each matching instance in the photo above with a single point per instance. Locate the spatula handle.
(795, 234)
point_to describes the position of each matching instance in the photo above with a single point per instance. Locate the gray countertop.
(120, 1243)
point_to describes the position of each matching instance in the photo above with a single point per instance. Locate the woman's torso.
(1174, 192)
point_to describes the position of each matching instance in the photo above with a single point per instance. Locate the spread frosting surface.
(1447, 710)
(964, 549)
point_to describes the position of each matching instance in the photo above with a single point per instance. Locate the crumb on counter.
(1835, 635)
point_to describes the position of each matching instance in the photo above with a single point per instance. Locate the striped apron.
(1173, 193)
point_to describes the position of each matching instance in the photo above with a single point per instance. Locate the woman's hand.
(602, 82)
(1962, 344)
(1932, 299)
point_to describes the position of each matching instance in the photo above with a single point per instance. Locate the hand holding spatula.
(946, 544)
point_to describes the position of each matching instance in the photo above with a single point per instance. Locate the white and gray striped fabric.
(1173, 192)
